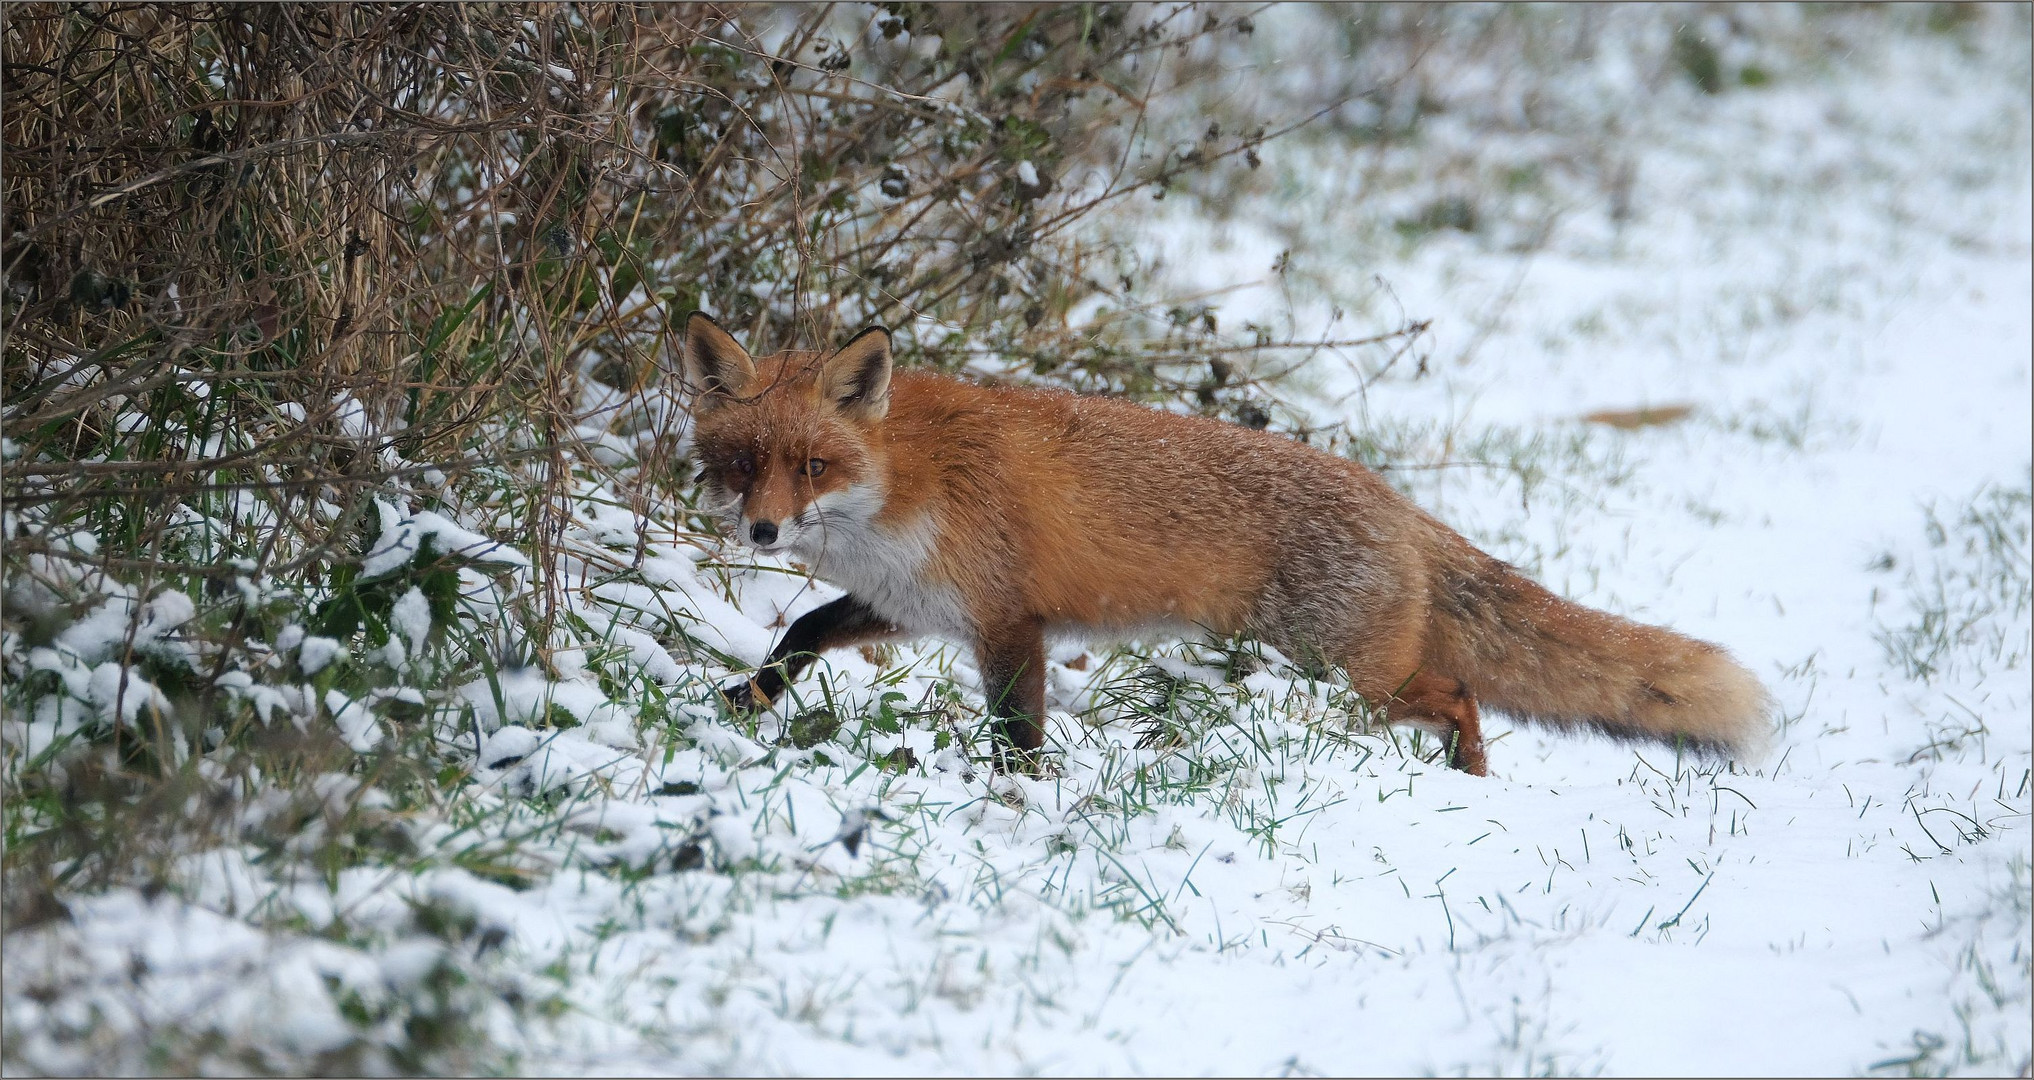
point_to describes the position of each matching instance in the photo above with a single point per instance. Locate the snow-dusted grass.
(428, 852)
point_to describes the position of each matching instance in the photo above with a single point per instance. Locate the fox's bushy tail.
(1523, 650)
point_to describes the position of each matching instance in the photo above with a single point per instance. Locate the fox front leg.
(1013, 680)
(846, 621)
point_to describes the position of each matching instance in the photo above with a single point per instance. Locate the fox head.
(790, 443)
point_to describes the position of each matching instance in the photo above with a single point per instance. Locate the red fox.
(999, 516)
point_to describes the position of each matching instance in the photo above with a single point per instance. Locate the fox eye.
(744, 465)
(814, 466)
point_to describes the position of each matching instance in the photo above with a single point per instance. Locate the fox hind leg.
(1434, 703)
(1447, 705)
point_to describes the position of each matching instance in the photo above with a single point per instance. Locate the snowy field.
(1831, 270)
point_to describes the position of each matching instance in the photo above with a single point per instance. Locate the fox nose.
(763, 532)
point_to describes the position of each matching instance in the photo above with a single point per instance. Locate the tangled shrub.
(322, 221)
(274, 270)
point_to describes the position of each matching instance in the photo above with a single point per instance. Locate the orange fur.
(1001, 515)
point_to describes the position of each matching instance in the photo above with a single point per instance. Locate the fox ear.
(716, 368)
(857, 378)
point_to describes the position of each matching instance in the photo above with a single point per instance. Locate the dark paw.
(742, 697)
(1468, 757)
(1017, 761)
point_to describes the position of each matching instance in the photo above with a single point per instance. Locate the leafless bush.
(298, 253)
(431, 209)
(268, 263)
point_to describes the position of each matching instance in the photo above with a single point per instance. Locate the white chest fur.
(885, 568)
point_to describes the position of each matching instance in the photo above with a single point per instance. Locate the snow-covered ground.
(1834, 273)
